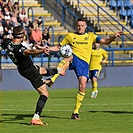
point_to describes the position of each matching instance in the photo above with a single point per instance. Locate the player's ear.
(85, 26)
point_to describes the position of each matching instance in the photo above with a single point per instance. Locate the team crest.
(86, 38)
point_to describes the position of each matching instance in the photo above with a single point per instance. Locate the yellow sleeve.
(66, 40)
(93, 36)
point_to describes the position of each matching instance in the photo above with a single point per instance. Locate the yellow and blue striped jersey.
(80, 44)
(96, 59)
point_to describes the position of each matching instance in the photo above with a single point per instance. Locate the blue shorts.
(94, 73)
(79, 66)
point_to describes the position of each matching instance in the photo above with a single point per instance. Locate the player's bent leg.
(50, 71)
(43, 90)
(63, 65)
(42, 71)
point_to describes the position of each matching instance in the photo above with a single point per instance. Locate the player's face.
(81, 26)
(96, 45)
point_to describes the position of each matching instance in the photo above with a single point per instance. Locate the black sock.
(40, 104)
(51, 72)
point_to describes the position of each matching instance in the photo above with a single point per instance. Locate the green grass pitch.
(110, 112)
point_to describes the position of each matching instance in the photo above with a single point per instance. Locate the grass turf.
(110, 112)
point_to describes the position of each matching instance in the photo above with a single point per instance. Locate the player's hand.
(103, 62)
(46, 50)
(118, 34)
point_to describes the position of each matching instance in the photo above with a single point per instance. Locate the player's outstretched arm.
(50, 49)
(28, 52)
(110, 39)
(54, 48)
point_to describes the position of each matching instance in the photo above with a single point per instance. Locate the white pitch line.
(107, 104)
(104, 104)
(25, 110)
(118, 104)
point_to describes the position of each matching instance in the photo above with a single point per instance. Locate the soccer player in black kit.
(20, 55)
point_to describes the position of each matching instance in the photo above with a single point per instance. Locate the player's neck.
(17, 41)
(97, 48)
(80, 33)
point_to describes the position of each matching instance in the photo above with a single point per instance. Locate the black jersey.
(15, 53)
(24, 63)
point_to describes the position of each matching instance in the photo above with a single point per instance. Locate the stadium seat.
(112, 4)
(120, 4)
(6, 60)
(127, 4)
(129, 14)
(122, 14)
(116, 4)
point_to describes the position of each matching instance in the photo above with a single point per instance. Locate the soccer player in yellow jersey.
(98, 57)
(81, 44)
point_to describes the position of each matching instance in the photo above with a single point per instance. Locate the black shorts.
(33, 75)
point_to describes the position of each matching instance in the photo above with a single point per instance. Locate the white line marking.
(34, 110)
(118, 104)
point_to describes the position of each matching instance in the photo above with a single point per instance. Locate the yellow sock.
(94, 86)
(54, 77)
(79, 99)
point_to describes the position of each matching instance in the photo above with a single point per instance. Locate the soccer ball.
(66, 51)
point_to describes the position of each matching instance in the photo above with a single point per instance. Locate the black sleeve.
(5, 43)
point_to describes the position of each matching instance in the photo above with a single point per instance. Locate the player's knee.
(43, 90)
(43, 71)
(82, 87)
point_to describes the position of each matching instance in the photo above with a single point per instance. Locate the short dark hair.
(18, 32)
(81, 19)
